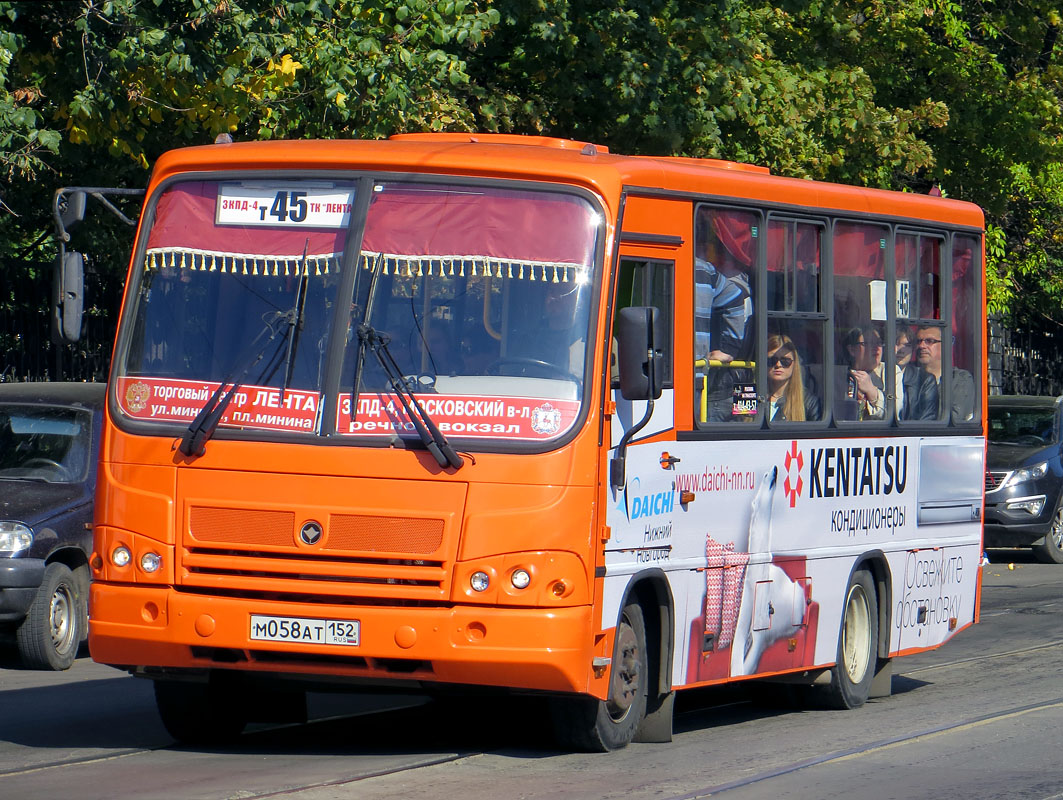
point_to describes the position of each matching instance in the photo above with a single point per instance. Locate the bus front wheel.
(199, 713)
(857, 645)
(610, 724)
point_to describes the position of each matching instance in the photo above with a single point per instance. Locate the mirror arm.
(617, 464)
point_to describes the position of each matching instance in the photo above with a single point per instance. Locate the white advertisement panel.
(759, 540)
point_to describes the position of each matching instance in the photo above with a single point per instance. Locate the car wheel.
(851, 677)
(610, 724)
(49, 636)
(1050, 551)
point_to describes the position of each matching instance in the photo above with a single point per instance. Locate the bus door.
(656, 231)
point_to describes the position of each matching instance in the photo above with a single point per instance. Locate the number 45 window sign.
(299, 205)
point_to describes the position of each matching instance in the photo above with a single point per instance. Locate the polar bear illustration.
(772, 605)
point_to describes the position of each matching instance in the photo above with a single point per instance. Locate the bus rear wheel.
(610, 724)
(200, 713)
(851, 677)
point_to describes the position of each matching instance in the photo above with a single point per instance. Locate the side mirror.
(74, 212)
(68, 299)
(641, 368)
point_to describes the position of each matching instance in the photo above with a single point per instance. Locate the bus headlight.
(528, 579)
(520, 579)
(150, 562)
(479, 581)
(121, 556)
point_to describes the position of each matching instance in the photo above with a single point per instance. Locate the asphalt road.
(981, 717)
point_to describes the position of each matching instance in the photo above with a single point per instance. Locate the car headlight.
(14, 537)
(1032, 505)
(1027, 474)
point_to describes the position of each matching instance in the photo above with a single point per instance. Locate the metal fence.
(27, 352)
(1026, 359)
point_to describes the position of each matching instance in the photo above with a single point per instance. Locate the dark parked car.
(1024, 475)
(49, 442)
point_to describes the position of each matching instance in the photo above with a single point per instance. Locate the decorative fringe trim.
(239, 263)
(442, 266)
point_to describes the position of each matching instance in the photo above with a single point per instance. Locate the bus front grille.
(256, 551)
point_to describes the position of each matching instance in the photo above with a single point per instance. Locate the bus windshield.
(480, 295)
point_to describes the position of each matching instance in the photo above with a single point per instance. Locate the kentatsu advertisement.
(758, 543)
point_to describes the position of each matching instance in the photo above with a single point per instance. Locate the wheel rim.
(1056, 534)
(856, 635)
(61, 619)
(627, 675)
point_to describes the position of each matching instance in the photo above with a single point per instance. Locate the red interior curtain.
(404, 220)
(858, 251)
(184, 219)
(734, 229)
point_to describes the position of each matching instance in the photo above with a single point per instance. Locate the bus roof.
(567, 161)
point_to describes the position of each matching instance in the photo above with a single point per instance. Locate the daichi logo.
(794, 483)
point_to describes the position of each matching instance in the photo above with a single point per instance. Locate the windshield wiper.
(432, 438)
(194, 440)
(295, 323)
(202, 428)
(369, 339)
(359, 362)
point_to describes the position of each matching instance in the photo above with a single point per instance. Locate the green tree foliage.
(962, 94)
(966, 96)
(92, 91)
(740, 80)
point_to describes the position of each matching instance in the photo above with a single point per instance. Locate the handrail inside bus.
(713, 363)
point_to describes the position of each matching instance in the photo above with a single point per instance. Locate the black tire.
(200, 713)
(1050, 551)
(54, 627)
(851, 677)
(602, 725)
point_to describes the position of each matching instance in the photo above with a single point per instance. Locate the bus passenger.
(864, 386)
(789, 400)
(723, 312)
(724, 331)
(550, 339)
(902, 351)
(928, 357)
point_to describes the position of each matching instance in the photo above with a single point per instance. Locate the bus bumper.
(522, 648)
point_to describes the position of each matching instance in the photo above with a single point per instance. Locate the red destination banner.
(475, 416)
(262, 407)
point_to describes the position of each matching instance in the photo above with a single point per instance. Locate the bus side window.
(796, 322)
(646, 282)
(921, 390)
(725, 253)
(862, 359)
(966, 328)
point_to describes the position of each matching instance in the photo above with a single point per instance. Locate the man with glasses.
(917, 389)
(928, 344)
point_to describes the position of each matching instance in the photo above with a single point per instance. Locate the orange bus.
(454, 410)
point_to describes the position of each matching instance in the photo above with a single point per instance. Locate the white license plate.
(344, 632)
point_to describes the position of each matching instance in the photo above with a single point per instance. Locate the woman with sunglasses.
(789, 400)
